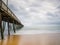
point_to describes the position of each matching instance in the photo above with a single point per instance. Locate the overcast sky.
(36, 12)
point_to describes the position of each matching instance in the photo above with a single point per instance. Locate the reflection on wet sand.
(10, 40)
(37, 39)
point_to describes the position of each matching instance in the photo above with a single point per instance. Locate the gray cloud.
(36, 12)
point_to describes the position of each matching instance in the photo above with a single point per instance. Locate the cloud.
(36, 12)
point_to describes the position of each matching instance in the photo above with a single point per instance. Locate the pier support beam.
(8, 28)
(2, 36)
(4, 24)
(14, 27)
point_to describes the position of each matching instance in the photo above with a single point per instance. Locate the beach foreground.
(32, 39)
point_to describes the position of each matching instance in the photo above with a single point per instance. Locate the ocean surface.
(35, 29)
(40, 29)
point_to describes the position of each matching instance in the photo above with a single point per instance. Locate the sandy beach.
(32, 39)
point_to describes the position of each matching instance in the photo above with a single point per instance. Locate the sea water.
(39, 29)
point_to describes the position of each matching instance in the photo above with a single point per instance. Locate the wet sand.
(32, 39)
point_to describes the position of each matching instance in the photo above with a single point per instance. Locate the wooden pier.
(8, 16)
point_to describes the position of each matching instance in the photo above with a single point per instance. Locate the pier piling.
(2, 36)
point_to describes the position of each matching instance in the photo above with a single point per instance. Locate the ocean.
(39, 29)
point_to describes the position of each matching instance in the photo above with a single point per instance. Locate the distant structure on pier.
(7, 16)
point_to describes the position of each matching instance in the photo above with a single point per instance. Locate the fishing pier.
(6, 15)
